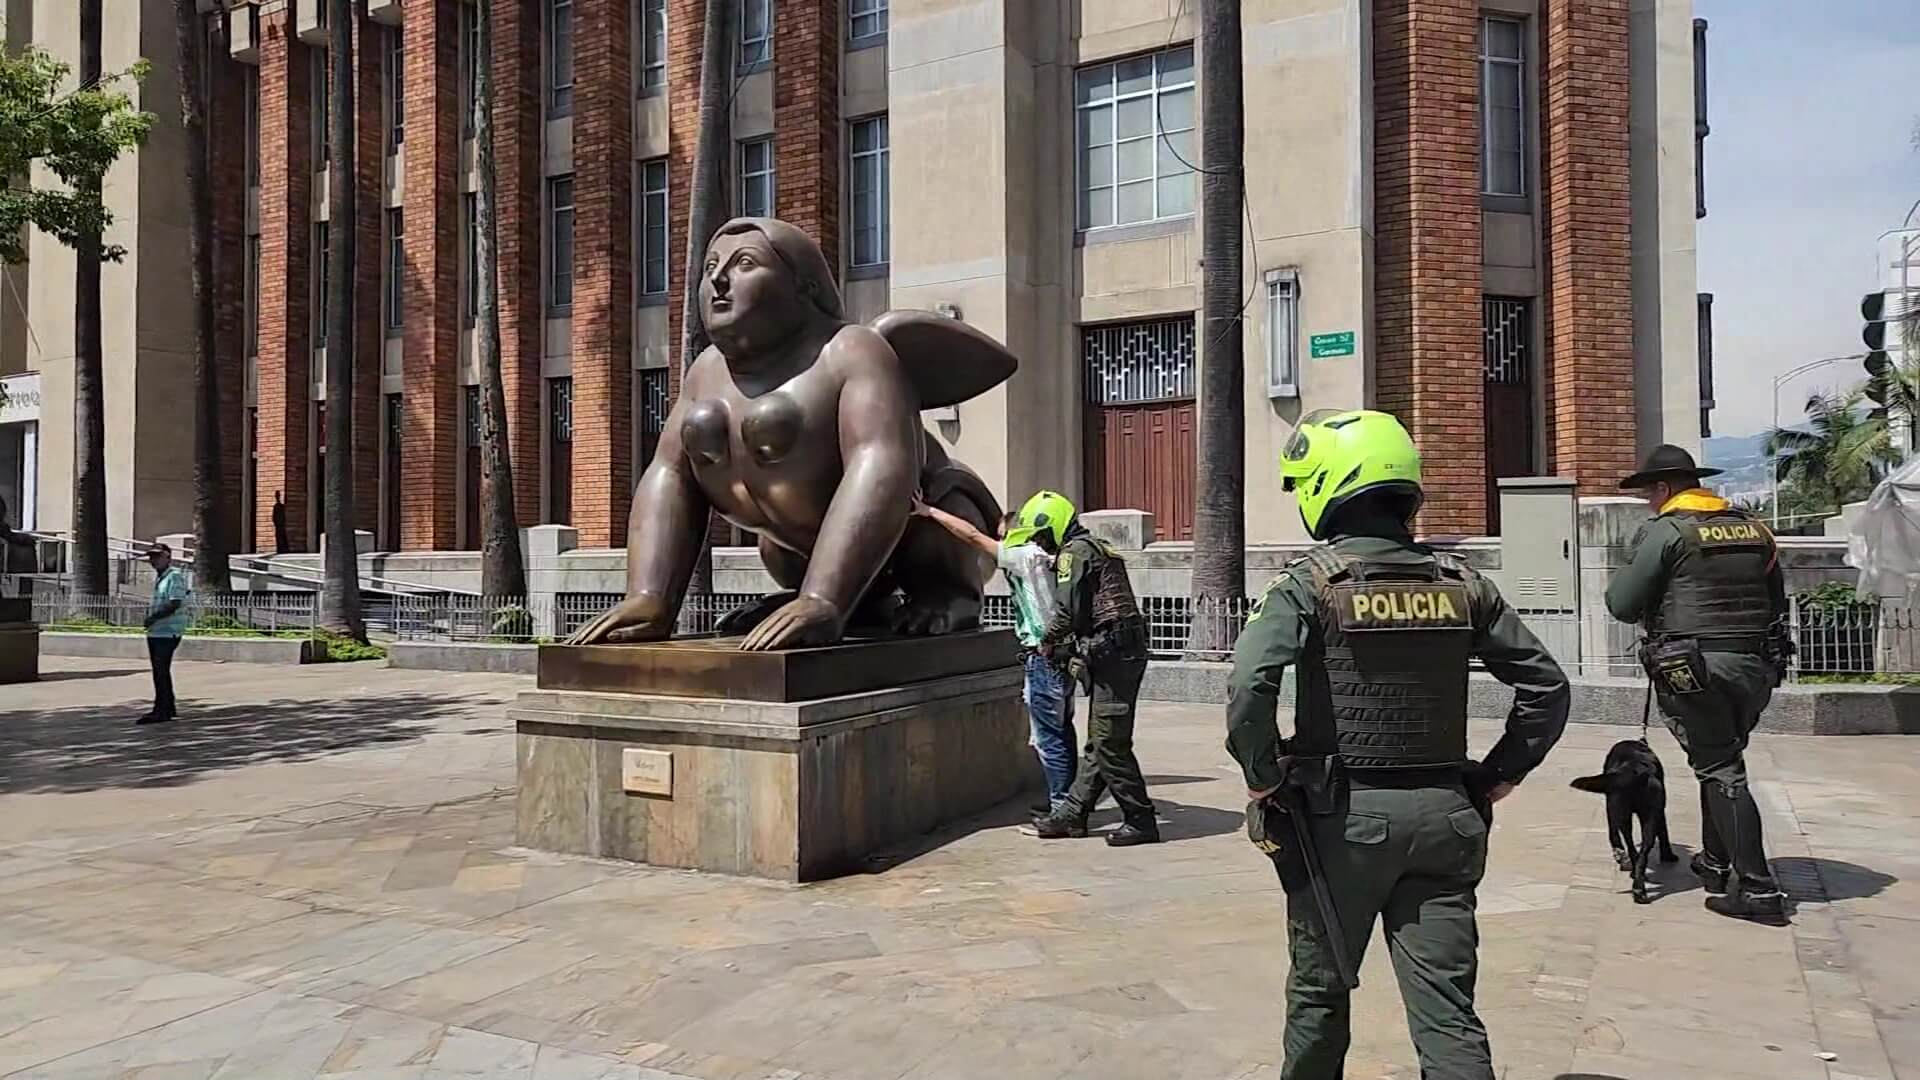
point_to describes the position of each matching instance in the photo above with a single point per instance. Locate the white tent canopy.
(1884, 540)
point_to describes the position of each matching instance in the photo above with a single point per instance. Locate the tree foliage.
(74, 134)
(1837, 458)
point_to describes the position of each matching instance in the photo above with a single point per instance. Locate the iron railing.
(223, 615)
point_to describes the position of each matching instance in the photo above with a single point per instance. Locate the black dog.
(1636, 787)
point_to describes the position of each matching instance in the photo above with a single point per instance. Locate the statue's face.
(746, 292)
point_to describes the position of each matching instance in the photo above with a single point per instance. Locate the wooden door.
(1142, 457)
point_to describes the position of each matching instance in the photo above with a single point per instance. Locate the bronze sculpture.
(805, 429)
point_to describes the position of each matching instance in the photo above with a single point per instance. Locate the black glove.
(1267, 827)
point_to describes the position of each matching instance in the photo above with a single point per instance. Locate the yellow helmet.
(1337, 454)
(1047, 515)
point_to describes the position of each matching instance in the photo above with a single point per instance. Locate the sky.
(1812, 108)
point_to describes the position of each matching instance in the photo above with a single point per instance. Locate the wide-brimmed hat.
(1664, 461)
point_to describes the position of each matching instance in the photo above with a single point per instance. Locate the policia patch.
(1728, 534)
(1402, 605)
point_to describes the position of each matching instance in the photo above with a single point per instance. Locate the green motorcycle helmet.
(1044, 518)
(1337, 454)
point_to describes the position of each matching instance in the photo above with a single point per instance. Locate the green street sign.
(1322, 346)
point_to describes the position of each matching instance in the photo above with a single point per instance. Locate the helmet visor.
(1300, 457)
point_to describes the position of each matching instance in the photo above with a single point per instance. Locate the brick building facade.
(1466, 255)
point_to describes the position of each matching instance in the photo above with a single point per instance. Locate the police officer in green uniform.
(1098, 623)
(1705, 583)
(1380, 630)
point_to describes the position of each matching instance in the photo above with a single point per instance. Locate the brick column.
(1588, 223)
(286, 357)
(430, 429)
(226, 139)
(683, 142)
(1427, 333)
(806, 108)
(517, 135)
(370, 246)
(602, 271)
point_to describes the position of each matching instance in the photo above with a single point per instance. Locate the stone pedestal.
(19, 641)
(793, 765)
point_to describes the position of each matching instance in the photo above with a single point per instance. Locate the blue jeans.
(1050, 706)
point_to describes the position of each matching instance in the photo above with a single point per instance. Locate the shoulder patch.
(1402, 605)
(1063, 569)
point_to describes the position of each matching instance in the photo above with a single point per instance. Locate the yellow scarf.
(1699, 499)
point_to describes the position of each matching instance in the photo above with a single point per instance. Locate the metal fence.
(230, 615)
(509, 620)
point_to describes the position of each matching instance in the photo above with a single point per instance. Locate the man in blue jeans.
(1049, 689)
(166, 623)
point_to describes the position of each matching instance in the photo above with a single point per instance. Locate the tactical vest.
(1117, 630)
(1719, 587)
(1396, 641)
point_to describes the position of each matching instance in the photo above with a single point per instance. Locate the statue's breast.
(771, 427)
(704, 432)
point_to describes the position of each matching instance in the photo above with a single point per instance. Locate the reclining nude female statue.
(805, 429)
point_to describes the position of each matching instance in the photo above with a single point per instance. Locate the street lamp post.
(1773, 457)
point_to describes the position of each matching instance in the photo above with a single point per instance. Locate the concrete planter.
(235, 650)
(463, 656)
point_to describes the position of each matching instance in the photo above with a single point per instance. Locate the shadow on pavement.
(1155, 780)
(1812, 880)
(104, 673)
(89, 747)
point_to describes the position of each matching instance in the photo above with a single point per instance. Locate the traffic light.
(1873, 308)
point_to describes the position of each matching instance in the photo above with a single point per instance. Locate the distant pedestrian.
(279, 517)
(166, 622)
(1049, 689)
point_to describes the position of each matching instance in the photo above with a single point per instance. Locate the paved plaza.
(314, 875)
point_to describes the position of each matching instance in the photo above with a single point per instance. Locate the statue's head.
(762, 281)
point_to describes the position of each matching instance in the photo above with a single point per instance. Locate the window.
(1700, 129)
(653, 413)
(470, 228)
(560, 451)
(1704, 307)
(867, 20)
(869, 196)
(1283, 334)
(253, 126)
(390, 472)
(559, 57)
(560, 243)
(469, 46)
(653, 227)
(252, 286)
(756, 178)
(1503, 115)
(396, 271)
(1508, 356)
(322, 129)
(653, 44)
(756, 34)
(320, 259)
(1130, 363)
(1134, 134)
(396, 90)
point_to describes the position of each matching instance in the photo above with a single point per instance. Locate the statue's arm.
(879, 428)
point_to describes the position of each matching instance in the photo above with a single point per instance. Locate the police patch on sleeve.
(1402, 605)
(1064, 569)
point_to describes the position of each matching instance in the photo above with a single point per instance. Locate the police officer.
(1705, 583)
(1381, 630)
(1098, 623)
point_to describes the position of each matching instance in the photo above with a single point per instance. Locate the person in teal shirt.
(166, 624)
(1049, 690)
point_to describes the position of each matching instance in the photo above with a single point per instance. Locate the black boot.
(1736, 818)
(1133, 834)
(1765, 906)
(1060, 825)
(1712, 875)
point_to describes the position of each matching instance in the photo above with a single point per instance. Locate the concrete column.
(518, 133)
(1666, 337)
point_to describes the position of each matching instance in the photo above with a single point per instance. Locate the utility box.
(1540, 559)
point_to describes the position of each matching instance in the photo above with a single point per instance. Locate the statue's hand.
(635, 619)
(804, 620)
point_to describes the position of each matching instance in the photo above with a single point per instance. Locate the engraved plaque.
(646, 772)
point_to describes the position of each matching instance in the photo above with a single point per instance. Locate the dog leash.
(1646, 710)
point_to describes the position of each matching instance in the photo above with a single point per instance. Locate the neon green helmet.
(1047, 514)
(1337, 454)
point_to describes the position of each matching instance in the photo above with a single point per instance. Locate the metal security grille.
(653, 400)
(473, 416)
(562, 410)
(1509, 328)
(1129, 363)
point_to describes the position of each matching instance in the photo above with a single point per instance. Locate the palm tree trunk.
(340, 588)
(1219, 514)
(502, 573)
(210, 572)
(89, 399)
(708, 208)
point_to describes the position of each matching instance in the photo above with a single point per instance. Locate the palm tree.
(210, 573)
(502, 573)
(1219, 510)
(340, 574)
(89, 397)
(707, 209)
(1838, 456)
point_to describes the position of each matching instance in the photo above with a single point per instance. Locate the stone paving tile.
(348, 902)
